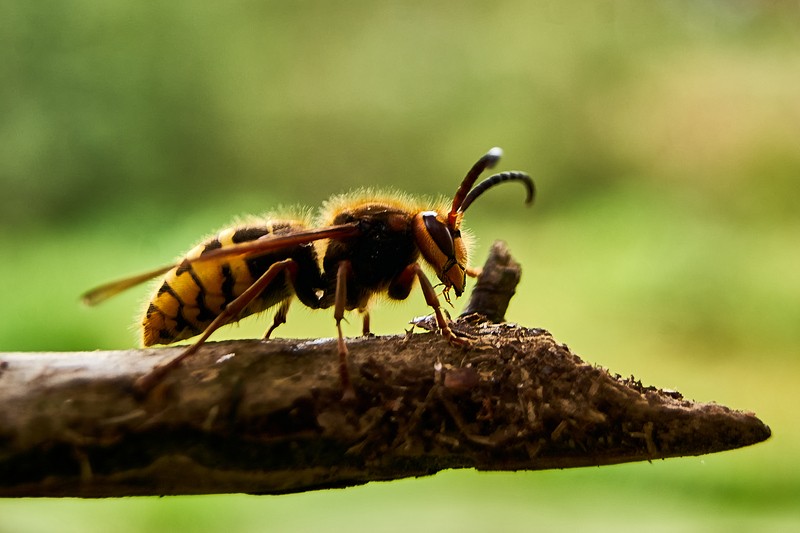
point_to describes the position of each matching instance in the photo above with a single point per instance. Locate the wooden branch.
(496, 285)
(267, 418)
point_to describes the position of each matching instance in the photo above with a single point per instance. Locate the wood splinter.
(266, 417)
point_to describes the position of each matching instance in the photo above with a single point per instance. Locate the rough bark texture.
(266, 417)
(496, 285)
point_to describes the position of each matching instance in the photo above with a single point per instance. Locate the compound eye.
(440, 234)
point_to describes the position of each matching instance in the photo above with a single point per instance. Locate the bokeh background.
(664, 138)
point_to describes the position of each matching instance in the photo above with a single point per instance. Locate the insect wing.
(107, 290)
(270, 242)
(250, 248)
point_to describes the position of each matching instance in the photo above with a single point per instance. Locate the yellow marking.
(195, 252)
(225, 237)
(210, 276)
(167, 304)
(151, 327)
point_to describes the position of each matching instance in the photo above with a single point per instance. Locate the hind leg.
(280, 317)
(229, 314)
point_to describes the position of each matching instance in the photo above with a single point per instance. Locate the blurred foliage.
(162, 103)
(663, 137)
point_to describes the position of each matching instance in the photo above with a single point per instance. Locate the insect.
(362, 245)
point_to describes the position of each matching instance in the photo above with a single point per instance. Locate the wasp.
(361, 245)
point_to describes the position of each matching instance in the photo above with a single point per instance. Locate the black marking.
(204, 314)
(248, 234)
(181, 322)
(213, 244)
(228, 284)
(166, 288)
(185, 265)
(182, 268)
(258, 264)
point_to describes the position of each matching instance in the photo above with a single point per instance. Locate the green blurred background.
(664, 138)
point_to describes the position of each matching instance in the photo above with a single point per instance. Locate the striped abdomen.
(192, 296)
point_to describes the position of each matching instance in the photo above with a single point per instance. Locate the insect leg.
(231, 311)
(345, 270)
(280, 317)
(407, 277)
(365, 324)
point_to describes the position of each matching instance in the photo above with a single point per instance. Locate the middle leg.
(280, 317)
(344, 271)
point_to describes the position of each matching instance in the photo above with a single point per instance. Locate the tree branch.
(496, 285)
(266, 417)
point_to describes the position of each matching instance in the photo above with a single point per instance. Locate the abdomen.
(191, 297)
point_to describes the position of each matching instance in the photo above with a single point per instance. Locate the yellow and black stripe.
(193, 294)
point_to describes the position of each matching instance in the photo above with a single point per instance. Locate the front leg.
(401, 287)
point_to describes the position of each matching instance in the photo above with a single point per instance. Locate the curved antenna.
(496, 179)
(487, 161)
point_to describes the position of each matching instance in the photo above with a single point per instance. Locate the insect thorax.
(385, 247)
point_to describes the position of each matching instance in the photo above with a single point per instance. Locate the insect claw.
(460, 339)
(446, 295)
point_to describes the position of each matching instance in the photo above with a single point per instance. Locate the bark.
(267, 417)
(496, 285)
